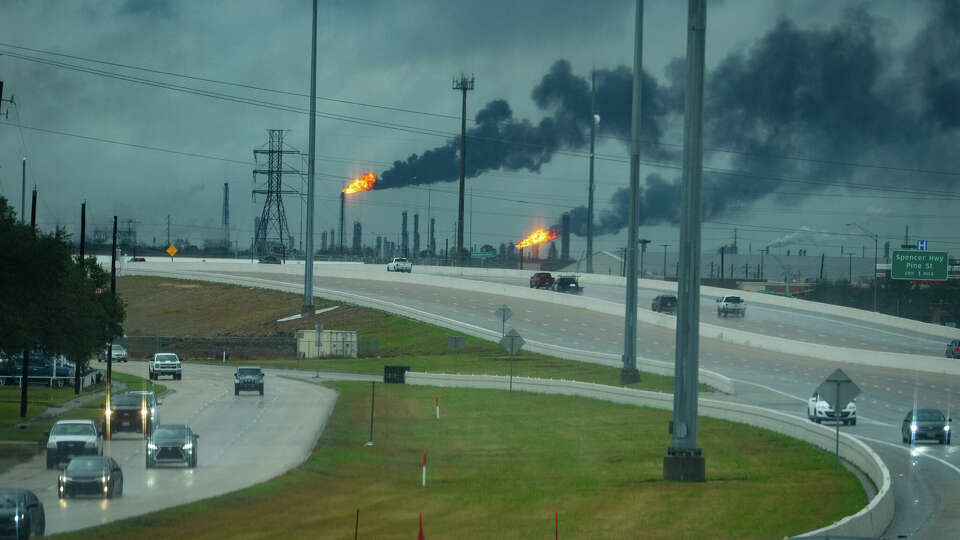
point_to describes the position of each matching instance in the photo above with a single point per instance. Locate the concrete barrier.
(720, 382)
(869, 522)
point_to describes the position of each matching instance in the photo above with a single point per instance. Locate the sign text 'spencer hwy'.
(925, 265)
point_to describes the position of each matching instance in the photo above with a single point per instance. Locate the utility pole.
(168, 229)
(684, 461)
(113, 294)
(33, 211)
(308, 261)
(464, 85)
(643, 250)
(628, 372)
(83, 241)
(23, 190)
(594, 121)
(723, 250)
(665, 246)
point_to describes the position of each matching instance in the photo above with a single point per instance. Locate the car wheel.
(261, 389)
(146, 462)
(853, 422)
(236, 390)
(193, 459)
(50, 462)
(817, 420)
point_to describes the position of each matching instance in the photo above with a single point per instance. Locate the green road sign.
(919, 265)
(483, 254)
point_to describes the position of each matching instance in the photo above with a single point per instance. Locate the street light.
(665, 246)
(876, 246)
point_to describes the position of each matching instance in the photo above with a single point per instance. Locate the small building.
(332, 344)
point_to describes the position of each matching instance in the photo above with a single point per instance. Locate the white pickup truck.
(727, 305)
(400, 264)
(165, 364)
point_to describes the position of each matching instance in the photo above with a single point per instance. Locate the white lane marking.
(900, 446)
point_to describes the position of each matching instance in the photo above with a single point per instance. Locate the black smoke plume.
(796, 105)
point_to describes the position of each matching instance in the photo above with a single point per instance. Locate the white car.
(69, 438)
(400, 264)
(727, 305)
(165, 364)
(819, 410)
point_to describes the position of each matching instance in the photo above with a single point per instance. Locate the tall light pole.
(876, 249)
(629, 373)
(684, 461)
(308, 260)
(594, 121)
(665, 246)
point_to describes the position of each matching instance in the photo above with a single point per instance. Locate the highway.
(244, 440)
(926, 477)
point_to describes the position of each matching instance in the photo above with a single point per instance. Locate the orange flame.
(538, 237)
(363, 182)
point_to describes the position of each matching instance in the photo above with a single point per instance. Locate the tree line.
(50, 299)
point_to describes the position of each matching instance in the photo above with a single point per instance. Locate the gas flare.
(363, 182)
(538, 236)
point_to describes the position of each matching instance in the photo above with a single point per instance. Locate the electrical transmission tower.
(272, 231)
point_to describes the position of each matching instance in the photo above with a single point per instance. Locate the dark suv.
(134, 411)
(664, 303)
(953, 349)
(248, 378)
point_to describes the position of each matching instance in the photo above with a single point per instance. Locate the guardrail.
(720, 382)
(870, 522)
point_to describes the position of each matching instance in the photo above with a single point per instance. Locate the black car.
(247, 378)
(270, 259)
(928, 424)
(664, 303)
(21, 514)
(172, 443)
(133, 411)
(953, 349)
(91, 475)
(568, 284)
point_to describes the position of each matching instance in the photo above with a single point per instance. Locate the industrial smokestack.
(323, 241)
(357, 236)
(343, 199)
(404, 238)
(379, 251)
(433, 237)
(416, 234)
(226, 215)
(565, 237)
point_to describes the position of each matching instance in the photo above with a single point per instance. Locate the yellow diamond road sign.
(172, 250)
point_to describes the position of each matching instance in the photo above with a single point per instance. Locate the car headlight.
(913, 427)
(103, 479)
(151, 446)
(51, 444)
(946, 428)
(188, 446)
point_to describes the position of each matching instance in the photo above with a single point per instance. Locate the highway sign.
(512, 342)
(503, 313)
(921, 245)
(172, 250)
(838, 390)
(919, 265)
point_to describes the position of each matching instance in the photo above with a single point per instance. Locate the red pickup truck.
(541, 280)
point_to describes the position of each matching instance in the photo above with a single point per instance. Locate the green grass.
(501, 464)
(91, 409)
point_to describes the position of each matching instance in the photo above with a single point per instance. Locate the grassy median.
(501, 464)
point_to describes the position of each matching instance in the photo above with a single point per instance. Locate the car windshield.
(247, 372)
(733, 300)
(8, 500)
(86, 464)
(117, 348)
(73, 429)
(928, 415)
(129, 399)
(166, 357)
(170, 432)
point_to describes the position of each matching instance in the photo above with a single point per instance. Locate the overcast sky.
(866, 93)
